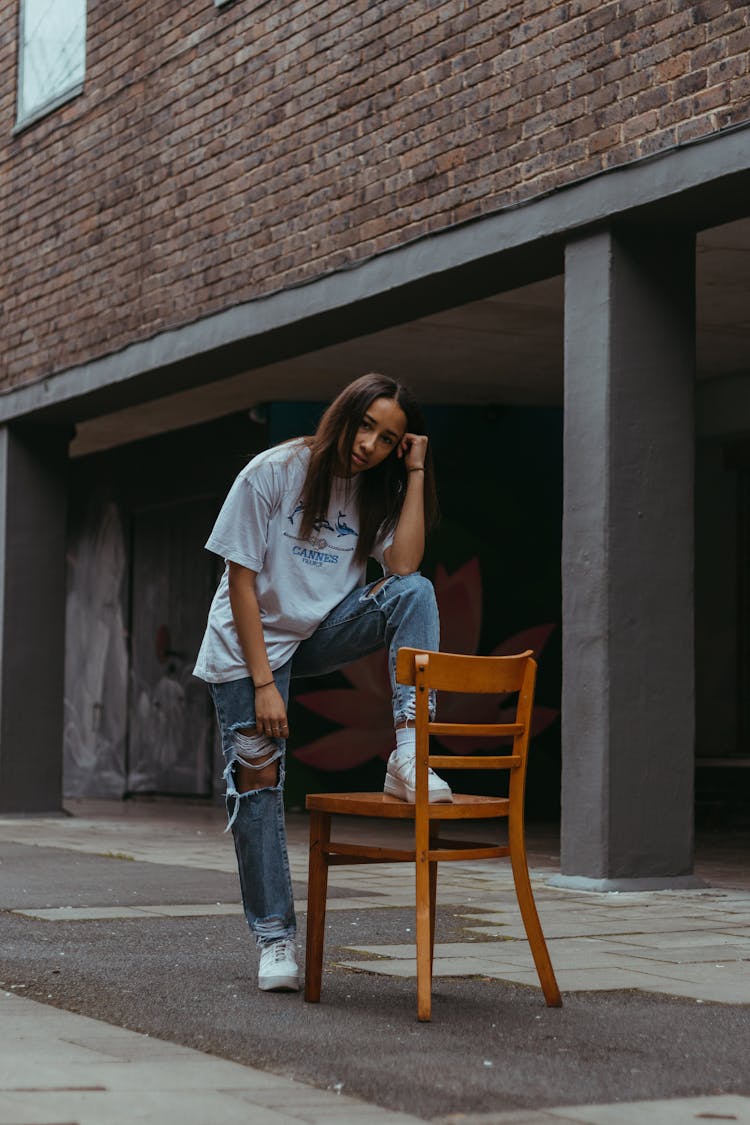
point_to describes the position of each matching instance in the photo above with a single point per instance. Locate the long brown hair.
(381, 490)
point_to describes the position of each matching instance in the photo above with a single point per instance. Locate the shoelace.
(280, 951)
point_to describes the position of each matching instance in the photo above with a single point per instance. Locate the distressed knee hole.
(253, 754)
(255, 750)
(252, 765)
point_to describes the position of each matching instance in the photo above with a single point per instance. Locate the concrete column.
(627, 564)
(33, 464)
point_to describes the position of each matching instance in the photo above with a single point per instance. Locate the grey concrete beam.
(627, 563)
(32, 617)
(703, 184)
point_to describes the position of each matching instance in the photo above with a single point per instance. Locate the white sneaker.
(278, 967)
(400, 780)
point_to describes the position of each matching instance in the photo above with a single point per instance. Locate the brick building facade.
(219, 154)
(246, 202)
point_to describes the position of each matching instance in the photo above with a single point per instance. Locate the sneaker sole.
(278, 984)
(395, 788)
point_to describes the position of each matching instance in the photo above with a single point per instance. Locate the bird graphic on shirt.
(343, 528)
(318, 523)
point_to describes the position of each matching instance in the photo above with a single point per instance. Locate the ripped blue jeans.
(402, 613)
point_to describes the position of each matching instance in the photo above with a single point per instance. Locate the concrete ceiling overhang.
(473, 313)
(507, 348)
(503, 349)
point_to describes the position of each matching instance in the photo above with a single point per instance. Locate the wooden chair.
(446, 673)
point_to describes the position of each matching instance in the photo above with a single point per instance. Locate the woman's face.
(378, 434)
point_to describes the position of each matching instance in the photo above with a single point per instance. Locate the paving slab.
(692, 954)
(67, 1069)
(677, 939)
(676, 1112)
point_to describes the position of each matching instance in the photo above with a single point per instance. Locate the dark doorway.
(170, 720)
(139, 587)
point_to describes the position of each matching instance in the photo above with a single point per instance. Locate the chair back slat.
(478, 730)
(475, 762)
(469, 674)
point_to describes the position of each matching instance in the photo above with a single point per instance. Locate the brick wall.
(217, 154)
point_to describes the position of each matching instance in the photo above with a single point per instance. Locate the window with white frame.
(52, 54)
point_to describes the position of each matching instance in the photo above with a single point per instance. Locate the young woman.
(296, 530)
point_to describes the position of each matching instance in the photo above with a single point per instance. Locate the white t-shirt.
(299, 581)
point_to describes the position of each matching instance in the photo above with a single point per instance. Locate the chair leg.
(433, 897)
(317, 889)
(530, 917)
(424, 940)
(434, 842)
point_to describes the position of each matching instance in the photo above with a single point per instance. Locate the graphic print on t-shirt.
(320, 550)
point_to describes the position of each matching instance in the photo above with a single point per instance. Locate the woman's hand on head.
(413, 449)
(270, 712)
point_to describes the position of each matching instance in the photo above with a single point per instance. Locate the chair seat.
(464, 806)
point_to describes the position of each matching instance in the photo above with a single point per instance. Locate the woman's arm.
(405, 552)
(270, 712)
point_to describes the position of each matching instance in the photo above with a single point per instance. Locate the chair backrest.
(449, 672)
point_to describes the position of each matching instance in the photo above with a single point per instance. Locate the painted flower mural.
(364, 710)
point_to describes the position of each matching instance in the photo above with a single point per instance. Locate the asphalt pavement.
(129, 917)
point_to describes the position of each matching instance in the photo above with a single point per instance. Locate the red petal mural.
(345, 749)
(365, 712)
